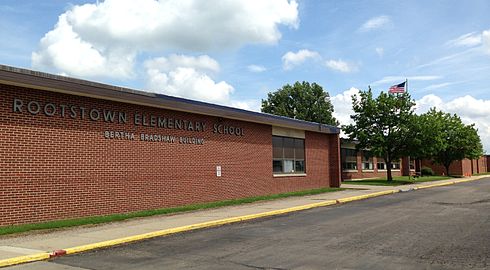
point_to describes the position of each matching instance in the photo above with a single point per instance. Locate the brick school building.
(360, 164)
(71, 148)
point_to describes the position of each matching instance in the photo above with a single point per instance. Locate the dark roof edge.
(56, 83)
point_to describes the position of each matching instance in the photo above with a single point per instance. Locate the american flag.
(397, 88)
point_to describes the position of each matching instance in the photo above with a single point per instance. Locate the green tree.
(427, 133)
(444, 138)
(303, 101)
(382, 125)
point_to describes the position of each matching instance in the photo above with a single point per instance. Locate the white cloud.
(186, 76)
(376, 23)
(203, 63)
(471, 40)
(437, 86)
(395, 79)
(427, 102)
(256, 68)
(291, 59)
(380, 51)
(342, 104)
(104, 39)
(189, 77)
(64, 50)
(452, 58)
(441, 85)
(250, 105)
(470, 109)
(341, 66)
(466, 40)
(468, 60)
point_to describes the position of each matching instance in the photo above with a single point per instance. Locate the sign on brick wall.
(76, 112)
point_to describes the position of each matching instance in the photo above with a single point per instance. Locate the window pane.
(351, 155)
(299, 149)
(276, 147)
(367, 161)
(349, 165)
(288, 148)
(300, 166)
(343, 154)
(288, 155)
(367, 165)
(288, 166)
(277, 166)
(349, 158)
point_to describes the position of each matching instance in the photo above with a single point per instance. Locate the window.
(367, 161)
(288, 155)
(381, 165)
(412, 164)
(395, 165)
(349, 159)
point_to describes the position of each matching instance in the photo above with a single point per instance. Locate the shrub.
(426, 171)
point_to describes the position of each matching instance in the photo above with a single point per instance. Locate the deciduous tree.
(303, 101)
(444, 138)
(382, 125)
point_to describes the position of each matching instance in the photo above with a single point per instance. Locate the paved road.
(439, 228)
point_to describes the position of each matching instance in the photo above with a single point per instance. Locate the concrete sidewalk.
(36, 242)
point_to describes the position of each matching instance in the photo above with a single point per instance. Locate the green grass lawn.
(397, 180)
(118, 217)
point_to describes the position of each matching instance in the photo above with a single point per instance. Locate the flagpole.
(409, 171)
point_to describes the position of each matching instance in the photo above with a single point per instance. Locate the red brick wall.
(58, 168)
(464, 167)
(467, 167)
(479, 165)
(335, 166)
(483, 164)
(454, 169)
(474, 166)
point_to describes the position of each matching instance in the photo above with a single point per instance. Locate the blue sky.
(234, 52)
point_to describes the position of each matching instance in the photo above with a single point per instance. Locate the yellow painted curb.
(370, 195)
(436, 185)
(471, 179)
(451, 183)
(24, 259)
